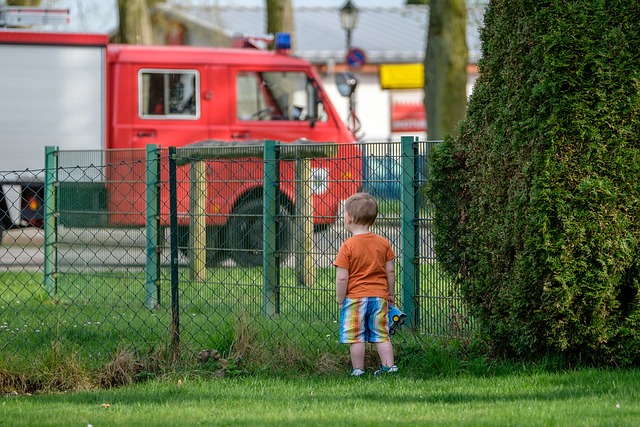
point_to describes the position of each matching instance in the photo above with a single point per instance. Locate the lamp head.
(348, 16)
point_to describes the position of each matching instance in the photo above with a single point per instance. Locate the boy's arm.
(342, 278)
(391, 281)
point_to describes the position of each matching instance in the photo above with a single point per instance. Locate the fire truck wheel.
(5, 220)
(244, 233)
(215, 253)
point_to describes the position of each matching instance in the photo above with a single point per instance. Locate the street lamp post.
(348, 18)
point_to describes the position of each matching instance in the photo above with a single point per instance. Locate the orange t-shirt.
(365, 256)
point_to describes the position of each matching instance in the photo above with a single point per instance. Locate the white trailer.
(52, 94)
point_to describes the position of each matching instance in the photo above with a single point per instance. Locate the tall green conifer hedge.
(538, 199)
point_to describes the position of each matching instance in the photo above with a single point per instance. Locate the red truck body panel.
(179, 95)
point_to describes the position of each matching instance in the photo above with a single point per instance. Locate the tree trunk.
(280, 18)
(30, 3)
(446, 67)
(135, 22)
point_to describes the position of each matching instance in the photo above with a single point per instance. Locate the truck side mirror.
(346, 82)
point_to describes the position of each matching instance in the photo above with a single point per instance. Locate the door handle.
(146, 134)
(244, 134)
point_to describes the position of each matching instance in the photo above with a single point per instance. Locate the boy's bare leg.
(385, 350)
(357, 355)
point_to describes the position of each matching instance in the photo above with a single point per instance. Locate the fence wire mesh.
(254, 227)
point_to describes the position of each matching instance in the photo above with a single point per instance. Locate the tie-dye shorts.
(364, 320)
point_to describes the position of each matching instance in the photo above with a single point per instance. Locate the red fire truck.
(78, 92)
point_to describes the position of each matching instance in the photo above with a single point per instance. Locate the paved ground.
(82, 247)
(23, 237)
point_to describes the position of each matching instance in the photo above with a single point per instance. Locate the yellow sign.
(401, 76)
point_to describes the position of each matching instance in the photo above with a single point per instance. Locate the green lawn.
(99, 313)
(438, 386)
(585, 397)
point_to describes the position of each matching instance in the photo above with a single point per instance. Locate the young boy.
(365, 282)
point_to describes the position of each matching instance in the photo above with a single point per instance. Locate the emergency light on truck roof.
(283, 42)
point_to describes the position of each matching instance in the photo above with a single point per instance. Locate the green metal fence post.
(271, 285)
(51, 221)
(409, 232)
(173, 227)
(152, 225)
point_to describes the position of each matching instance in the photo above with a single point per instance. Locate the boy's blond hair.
(362, 208)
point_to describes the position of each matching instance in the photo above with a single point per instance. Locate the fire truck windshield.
(277, 96)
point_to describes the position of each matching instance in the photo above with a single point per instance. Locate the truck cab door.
(170, 110)
(153, 106)
(278, 105)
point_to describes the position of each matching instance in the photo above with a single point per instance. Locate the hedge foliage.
(538, 198)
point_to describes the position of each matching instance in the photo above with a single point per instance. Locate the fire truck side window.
(274, 96)
(250, 100)
(168, 94)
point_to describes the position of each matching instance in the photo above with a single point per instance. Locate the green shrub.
(538, 199)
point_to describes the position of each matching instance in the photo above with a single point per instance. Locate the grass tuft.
(122, 370)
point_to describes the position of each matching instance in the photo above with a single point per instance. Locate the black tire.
(244, 233)
(215, 253)
(5, 220)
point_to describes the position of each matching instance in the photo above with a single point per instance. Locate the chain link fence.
(213, 246)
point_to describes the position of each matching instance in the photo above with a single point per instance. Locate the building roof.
(386, 34)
